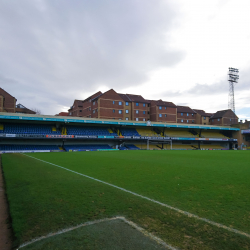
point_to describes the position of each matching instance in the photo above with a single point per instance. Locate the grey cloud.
(213, 89)
(58, 49)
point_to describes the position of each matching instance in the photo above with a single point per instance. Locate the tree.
(38, 111)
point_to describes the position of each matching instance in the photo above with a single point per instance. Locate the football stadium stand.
(147, 132)
(86, 147)
(129, 132)
(131, 147)
(74, 130)
(211, 147)
(28, 132)
(10, 147)
(29, 129)
(212, 134)
(144, 146)
(182, 146)
(179, 133)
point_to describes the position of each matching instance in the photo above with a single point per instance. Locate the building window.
(93, 103)
(181, 114)
(70, 113)
(137, 119)
(113, 102)
(93, 111)
(144, 105)
(192, 121)
(80, 110)
(137, 111)
(187, 114)
(120, 118)
(137, 104)
(165, 107)
(126, 111)
(96, 110)
(160, 115)
(144, 119)
(120, 103)
(181, 120)
(144, 112)
(165, 115)
(127, 118)
(187, 121)
(160, 107)
(218, 119)
(230, 119)
(204, 118)
(126, 103)
(89, 108)
(120, 111)
(113, 111)
(192, 114)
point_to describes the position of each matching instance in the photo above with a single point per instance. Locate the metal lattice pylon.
(233, 77)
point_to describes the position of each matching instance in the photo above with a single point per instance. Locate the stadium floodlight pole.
(233, 77)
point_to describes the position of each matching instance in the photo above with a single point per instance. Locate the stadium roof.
(81, 120)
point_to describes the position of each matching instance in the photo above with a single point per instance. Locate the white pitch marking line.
(152, 200)
(143, 231)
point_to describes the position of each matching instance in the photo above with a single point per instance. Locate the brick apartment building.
(224, 118)
(185, 115)
(202, 117)
(161, 111)
(7, 102)
(23, 110)
(113, 105)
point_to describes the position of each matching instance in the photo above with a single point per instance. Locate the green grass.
(210, 184)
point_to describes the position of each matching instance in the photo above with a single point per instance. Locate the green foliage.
(212, 184)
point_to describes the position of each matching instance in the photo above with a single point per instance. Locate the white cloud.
(56, 51)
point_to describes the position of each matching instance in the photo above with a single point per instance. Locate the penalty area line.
(143, 231)
(154, 201)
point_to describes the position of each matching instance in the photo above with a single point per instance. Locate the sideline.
(155, 201)
(143, 231)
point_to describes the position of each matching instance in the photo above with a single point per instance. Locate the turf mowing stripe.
(143, 231)
(152, 200)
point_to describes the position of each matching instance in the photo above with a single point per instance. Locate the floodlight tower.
(233, 77)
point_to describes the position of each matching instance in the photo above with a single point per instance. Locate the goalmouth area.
(185, 199)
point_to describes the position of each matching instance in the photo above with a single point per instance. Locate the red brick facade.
(186, 115)
(7, 102)
(161, 111)
(224, 118)
(112, 105)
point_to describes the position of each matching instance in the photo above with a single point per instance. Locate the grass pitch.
(211, 184)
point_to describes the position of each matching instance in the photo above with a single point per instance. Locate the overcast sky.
(53, 52)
